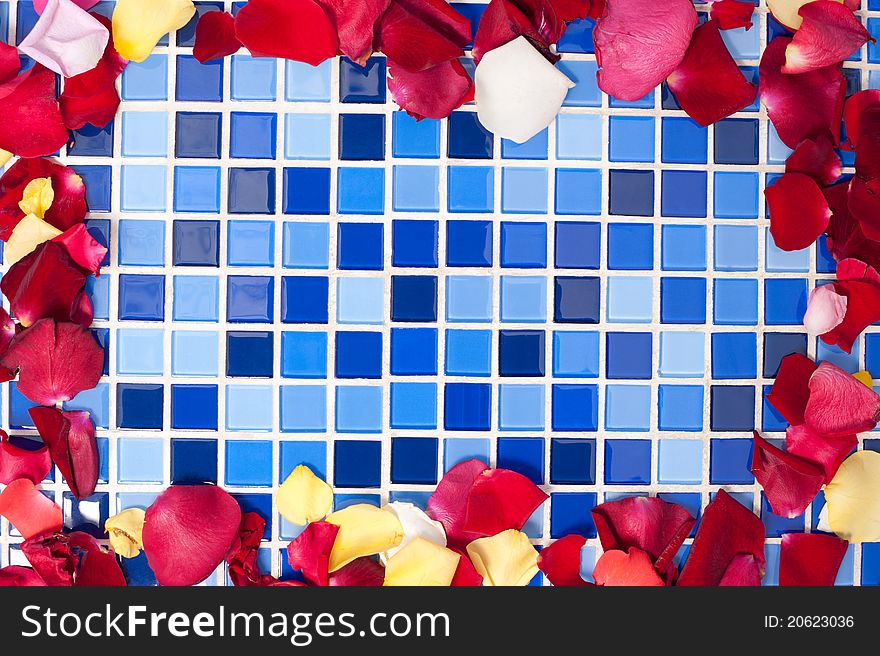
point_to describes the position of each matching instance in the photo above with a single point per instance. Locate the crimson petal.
(82, 248)
(732, 14)
(360, 572)
(242, 559)
(434, 93)
(830, 33)
(726, 530)
(501, 499)
(827, 452)
(817, 159)
(708, 84)
(356, 24)
(743, 570)
(32, 124)
(505, 20)
(72, 559)
(844, 235)
(17, 462)
(70, 437)
(415, 37)
(839, 404)
(810, 558)
(448, 503)
(310, 551)
(188, 531)
(804, 105)
(215, 36)
(561, 561)
(466, 575)
(10, 64)
(68, 207)
(862, 310)
(861, 113)
(570, 10)
(790, 483)
(798, 210)
(18, 576)
(28, 509)
(289, 29)
(791, 389)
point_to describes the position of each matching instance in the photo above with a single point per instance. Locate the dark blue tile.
(194, 407)
(414, 351)
(684, 194)
(102, 336)
(572, 461)
(196, 243)
(26, 18)
(575, 408)
(362, 136)
(249, 354)
(683, 300)
(361, 246)
(137, 571)
(570, 513)
(524, 455)
(631, 246)
(85, 519)
(629, 355)
(99, 229)
(414, 298)
(141, 297)
(304, 299)
(357, 463)
(199, 82)
(732, 408)
(193, 461)
(251, 191)
(97, 180)
(576, 300)
(778, 345)
(139, 406)
(362, 84)
(473, 12)
(197, 134)
(730, 461)
(306, 191)
(414, 243)
(358, 354)
(91, 141)
(469, 243)
(467, 407)
(468, 139)
(253, 135)
(521, 352)
(631, 192)
(628, 462)
(578, 245)
(414, 460)
(736, 141)
(249, 299)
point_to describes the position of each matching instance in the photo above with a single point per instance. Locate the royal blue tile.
(570, 513)
(414, 243)
(414, 460)
(577, 245)
(730, 461)
(304, 299)
(578, 37)
(680, 408)
(628, 355)
(414, 298)
(414, 351)
(361, 191)
(412, 138)
(306, 191)
(469, 243)
(303, 354)
(252, 135)
(467, 406)
(251, 191)
(683, 141)
(683, 300)
(196, 243)
(362, 84)
(249, 463)
(627, 462)
(362, 136)
(194, 407)
(186, 35)
(630, 246)
(200, 82)
(358, 354)
(468, 352)
(521, 353)
(734, 355)
(249, 354)
(360, 246)
(99, 186)
(683, 193)
(471, 189)
(575, 408)
(576, 299)
(631, 139)
(249, 299)
(683, 248)
(357, 463)
(468, 139)
(141, 297)
(631, 192)
(139, 405)
(785, 301)
(523, 245)
(197, 134)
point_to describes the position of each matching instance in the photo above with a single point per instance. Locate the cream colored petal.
(416, 524)
(37, 197)
(304, 497)
(30, 232)
(864, 377)
(505, 559)
(853, 498)
(364, 530)
(139, 24)
(421, 562)
(5, 156)
(786, 11)
(126, 530)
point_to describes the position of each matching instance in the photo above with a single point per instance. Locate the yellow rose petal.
(853, 498)
(864, 377)
(421, 562)
(37, 197)
(364, 530)
(304, 497)
(126, 531)
(30, 232)
(5, 156)
(504, 559)
(139, 24)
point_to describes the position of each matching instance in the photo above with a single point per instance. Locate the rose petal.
(862, 310)
(732, 14)
(70, 437)
(825, 310)
(571, 10)
(69, 194)
(139, 24)
(798, 210)
(639, 43)
(844, 236)
(40, 5)
(364, 530)
(561, 561)
(420, 34)
(415, 524)
(126, 531)
(434, 93)
(810, 559)
(652, 525)
(829, 34)
(72, 559)
(787, 12)
(10, 64)
(448, 503)
(506, 559)
(303, 497)
(791, 389)
(800, 106)
(839, 405)
(188, 531)
(505, 20)
(708, 84)
(861, 113)
(466, 574)
(66, 39)
(32, 124)
(633, 568)
(289, 29)
(501, 499)
(827, 452)
(423, 563)
(242, 560)
(726, 530)
(83, 249)
(310, 551)
(28, 509)
(18, 576)
(817, 159)
(852, 498)
(360, 572)
(744, 570)
(16, 462)
(29, 233)
(790, 483)
(356, 24)
(215, 37)
(56, 361)
(518, 92)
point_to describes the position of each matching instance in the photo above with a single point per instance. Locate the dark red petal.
(862, 310)
(791, 389)
(448, 503)
(708, 84)
(43, 284)
(56, 361)
(597, 8)
(68, 207)
(70, 437)
(561, 561)
(798, 210)
(288, 29)
(310, 552)
(830, 33)
(502, 22)
(32, 125)
(82, 248)
(360, 572)
(28, 509)
(72, 559)
(434, 93)
(356, 23)
(862, 113)
(790, 483)
(844, 235)
(413, 44)
(632, 568)
(726, 530)
(10, 64)
(804, 105)
(827, 452)
(743, 570)
(648, 523)
(215, 36)
(7, 329)
(16, 462)
(839, 404)
(501, 499)
(732, 14)
(640, 42)
(810, 558)
(466, 574)
(242, 559)
(18, 576)
(817, 159)
(188, 531)
(570, 10)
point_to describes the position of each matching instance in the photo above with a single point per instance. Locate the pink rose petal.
(825, 310)
(66, 39)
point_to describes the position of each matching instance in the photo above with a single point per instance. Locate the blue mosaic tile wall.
(298, 273)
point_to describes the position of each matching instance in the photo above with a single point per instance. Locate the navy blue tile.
(414, 298)
(414, 351)
(306, 191)
(139, 406)
(578, 245)
(196, 243)
(467, 407)
(576, 300)
(414, 243)
(193, 461)
(304, 299)
(137, 571)
(572, 461)
(683, 300)
(732, 408)
(358, 354)
(249, 354)
(628, 355)
(201, 82)
(102, 336)
(414, 460)
(361, 246)
(141, 297)
(362, 136)
(251, 191)
(91, 141)
(631, 192)
(362, 84)
(575, 408)
(194, 407)
(521, 352)
(524, 455)
(736, 141)
(197, 134)
(468, 139)
(99, 187)
(249, 299)
(778, 345)
(469, 243)
(357, 463)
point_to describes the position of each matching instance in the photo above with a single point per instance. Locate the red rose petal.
(72, 559)
(68, 207)
(505, 20)
(804, 105)
(289, 29)
(466, 574)
(501, 499)
(310, 552)
(791, 389)
(830, 33)
(632, 568)
(434, 93)
(32, 125)
(215, 36)
(732, 14)
(708, 84)
(43, 285)
(862, 310)
(70, 437)
(743, 570)
(798, 210)
(863, 201)
(360, 572)
(188, 531)
(790, 483)
(827, 452)
(810, 558)
(844, 235)
(420, 34)
(817, 159)
(17, 462)
(28, 509)
(839, 404)
(726, 530)
(561, 561)
(10, 64)
(861, 113)
(7, 329)
(639, 43)
(82, 248)
(448, 503)
(653, 525)
(356, 25)
(570, 10)
(18, 576)
(241, 561)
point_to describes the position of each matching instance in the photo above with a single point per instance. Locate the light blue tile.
(305, 83)
(681, 354)
(139, 351)
(778, 260)
(416, 189)
(524, 190)
(139, 460)
(521, 407)
(249, 408)
(98, 289)
(579, 136)
(307, 136)
(359, 409)
(469, 298)
(360, 300)
(736, 248)
(306, 245)
(576, 354)
(145, 134)
(146, 80)
(96, 401)
(680, 462)
(524, 299)
(195, 353)
(627, 408)
(253, 78)
(303, 408)
(742, 43)
(630, 299)
(250, 243)
(459, 449)
(196, 298)
(143, 188)
(141, 242)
